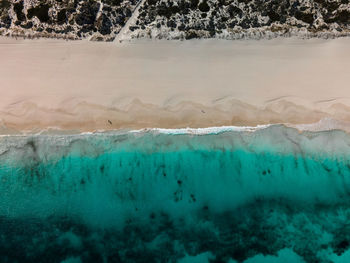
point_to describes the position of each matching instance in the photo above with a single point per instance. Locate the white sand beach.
(87, 86)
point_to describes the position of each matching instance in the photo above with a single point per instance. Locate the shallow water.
(269, 195)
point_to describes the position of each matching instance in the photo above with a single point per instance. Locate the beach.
(87, 86)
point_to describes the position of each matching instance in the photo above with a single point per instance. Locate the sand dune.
(81, 85)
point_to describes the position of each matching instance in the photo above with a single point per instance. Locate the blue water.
(273, 195)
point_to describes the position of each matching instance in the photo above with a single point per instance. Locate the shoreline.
(324, 125)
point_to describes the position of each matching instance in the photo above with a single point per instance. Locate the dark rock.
(88, 13)
(112, 2)
(233, 11)
(62, 16)
(203, 6)
(171, 24)
(181, 27)
(18, 8)
(106, 24)
(343, 17)
(305, 17)
(28, 25)
(190, 35)
(245, 24)
(41, 12)
(273, 16)
(194, 4)
(5, 5)
(6, 20)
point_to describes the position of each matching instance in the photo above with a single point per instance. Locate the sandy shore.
(88, 86)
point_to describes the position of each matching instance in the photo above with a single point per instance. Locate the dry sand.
(87, 86)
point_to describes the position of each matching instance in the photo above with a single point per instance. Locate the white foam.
(203, 131)
(326, 124)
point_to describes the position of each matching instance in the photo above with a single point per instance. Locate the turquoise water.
(273, 195)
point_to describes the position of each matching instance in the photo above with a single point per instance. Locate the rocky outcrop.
(231, 19)
(175, 19)
(73, 19)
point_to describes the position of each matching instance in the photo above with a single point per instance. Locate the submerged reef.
(149, 196)
(179, 19)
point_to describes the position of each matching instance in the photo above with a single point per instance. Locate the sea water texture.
(269, 194)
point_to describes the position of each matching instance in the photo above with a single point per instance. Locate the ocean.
(264, 194)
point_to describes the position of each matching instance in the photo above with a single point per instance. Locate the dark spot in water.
(205, 207)
(179, 182)
(130, 179)
(164, 174)
(176, 197)
(326, 168)
(32, 172)
(152, 216)
(217, 260)
(295, 163)
(193, 198)
(82, 181)
(120, 138)
(269, 171)
(239, 254)
(264, 172)
(341, 247)
(102, 168)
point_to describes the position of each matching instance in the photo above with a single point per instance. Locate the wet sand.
(87, 86)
